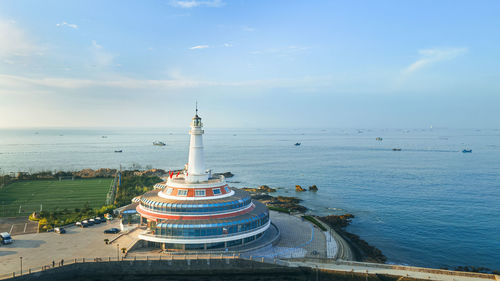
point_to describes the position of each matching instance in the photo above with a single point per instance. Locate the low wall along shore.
(196, 269)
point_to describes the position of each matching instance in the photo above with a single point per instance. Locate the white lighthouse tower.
(196, 165)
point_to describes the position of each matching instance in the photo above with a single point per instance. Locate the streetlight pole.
(118, 252)
(21, 259)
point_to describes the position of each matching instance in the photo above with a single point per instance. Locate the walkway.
(299, 239)
(406, 271)
(343, 250)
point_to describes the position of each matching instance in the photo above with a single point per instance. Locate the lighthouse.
(199, 211)
(196, 164)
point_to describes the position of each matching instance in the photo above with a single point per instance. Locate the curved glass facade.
(210, 229)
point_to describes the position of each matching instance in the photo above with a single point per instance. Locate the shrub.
(314, 221)
(279, 209)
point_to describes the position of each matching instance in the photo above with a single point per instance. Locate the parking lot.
(19, 225)
(42, 248)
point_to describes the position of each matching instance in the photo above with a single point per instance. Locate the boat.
(396, 149)
(118, 151)
(467, 151)
(379, 139)
(159, 143)
(104, 137)
(297, 143)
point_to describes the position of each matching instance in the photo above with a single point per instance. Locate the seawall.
(201, 269)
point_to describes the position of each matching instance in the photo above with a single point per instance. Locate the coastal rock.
(299, 188)
(290, 203)
(313, 188)
(225, 174)
(262, 188)
(338, 222)
(283, 202)
(477, 269)
(264, 198)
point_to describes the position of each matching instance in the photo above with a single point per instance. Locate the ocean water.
(427, 205)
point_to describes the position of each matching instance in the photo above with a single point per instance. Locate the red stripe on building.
(156, 216)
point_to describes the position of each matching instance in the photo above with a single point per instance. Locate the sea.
(429, 204)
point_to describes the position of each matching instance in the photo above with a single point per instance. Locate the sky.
(250, 64)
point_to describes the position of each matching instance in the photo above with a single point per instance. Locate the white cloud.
(20, 83)
(71, 25)
(199, 47)
(14, 42)
(196, 3)
(101, 57)
(228, 45)
(431, 56)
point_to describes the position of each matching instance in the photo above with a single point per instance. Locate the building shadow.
(25, 244)
(7, 253)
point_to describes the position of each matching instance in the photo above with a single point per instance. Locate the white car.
(5, 238)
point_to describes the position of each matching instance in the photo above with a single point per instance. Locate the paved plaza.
(298, 239)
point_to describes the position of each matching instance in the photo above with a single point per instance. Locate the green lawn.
(22, 198)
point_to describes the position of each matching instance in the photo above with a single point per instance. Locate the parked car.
(97, 220)
(103, 219)
(113, 230)
(59, 230)
(92, 220)
(78, 223)
(5, 238)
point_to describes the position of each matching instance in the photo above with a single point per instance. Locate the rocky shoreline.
(278, 203)
(362, 249)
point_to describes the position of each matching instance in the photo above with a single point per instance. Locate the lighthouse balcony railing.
(222, 209)
(213, 179)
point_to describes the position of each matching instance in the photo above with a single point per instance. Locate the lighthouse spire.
(196, 165)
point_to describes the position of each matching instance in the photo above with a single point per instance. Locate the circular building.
(194, 210)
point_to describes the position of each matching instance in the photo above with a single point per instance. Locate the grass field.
(22, 198)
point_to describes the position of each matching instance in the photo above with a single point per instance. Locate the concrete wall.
(106, 269)
(236, 269)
